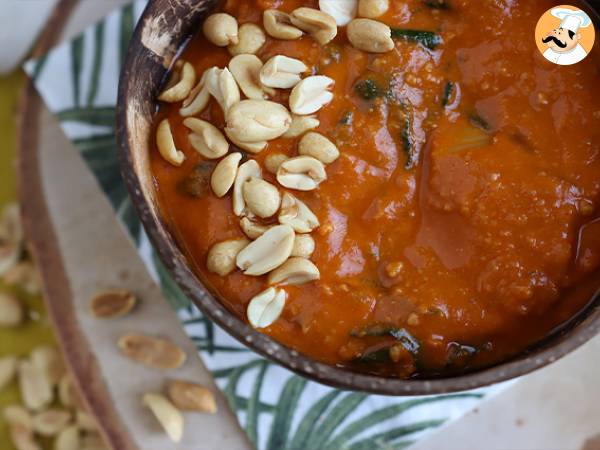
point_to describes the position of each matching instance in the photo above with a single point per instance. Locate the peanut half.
(300, 125)
(251, 147)
(252, 229)
(261, 197)
(372, 9)
(198, 97)
(169, 417)
(303, 173)
(251, 39)
(278, 24)
(319, 147)
(221, 29)
(257, 120)
(50, 422)
(320, 25)
(36, 388)
(273, 161)
(48, 360)
(282, 72)
(223, 88)
(297, 214)
(370, 36)
(224, 174)
(221, 256)
(294, 271)
(152, 352)
(206, 138)
(182, 88)
(113, 303)
(311, 94)
(246, 171)
(265, 308)
(191, 397)
(267, 252)
(343, 11)
(12, 312)
(304, 246)
(166, 144)
(246, 70)
(68, 439)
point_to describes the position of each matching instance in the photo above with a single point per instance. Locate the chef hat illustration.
(572, 19)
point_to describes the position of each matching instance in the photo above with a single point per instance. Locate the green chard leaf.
(368, 89)
(427, 39)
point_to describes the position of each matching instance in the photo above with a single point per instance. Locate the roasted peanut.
(224, 174)
(297, 214)
(246, 171)
(319, 147)
(206, 138)
(113, 303)
(294, 271)
(261, 197)
(267, 252)
(50, 422)
(223, 88)
(311, 94)
(251, 147)
(246, 70)
(303, 173)
(152, 352)
(166, 144)
(221, 256)
(12, 312)
(300, 125)
(282, 72)
(265, 308)
(279, 25)
(372, 9)
(183, 87)
(191, 397)
(252, 229)
(167, 415)
(343, 11)
(304, 246)
(257, 120)
(251, 39)
(198, 97)
(320, 25)
(35, 386)
(370, 36)
(273, 161)
(221, 29)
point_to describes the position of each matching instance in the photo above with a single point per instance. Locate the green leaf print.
(97, 65)
(284, 412)
(170, 288)
(126, 31)
(254, 405)
(76, 65)
(381, 441)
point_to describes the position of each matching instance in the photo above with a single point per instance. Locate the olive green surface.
(36, 330)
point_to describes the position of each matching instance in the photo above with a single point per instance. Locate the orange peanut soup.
(460, 223)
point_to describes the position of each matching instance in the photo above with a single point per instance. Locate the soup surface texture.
(460, 223)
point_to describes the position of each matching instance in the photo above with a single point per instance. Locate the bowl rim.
(581, 329)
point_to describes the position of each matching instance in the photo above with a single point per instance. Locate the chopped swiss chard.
(427, 39)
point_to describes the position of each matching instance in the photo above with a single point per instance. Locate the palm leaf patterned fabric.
(277, 409)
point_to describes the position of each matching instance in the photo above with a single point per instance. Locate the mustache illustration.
(556, 41)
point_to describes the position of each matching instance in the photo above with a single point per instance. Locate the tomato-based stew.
(405, 188)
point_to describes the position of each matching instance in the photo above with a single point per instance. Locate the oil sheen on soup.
(459, 223)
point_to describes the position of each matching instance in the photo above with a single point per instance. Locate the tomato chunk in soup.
(459, 224)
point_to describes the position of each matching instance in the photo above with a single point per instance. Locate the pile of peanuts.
(282, 251)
